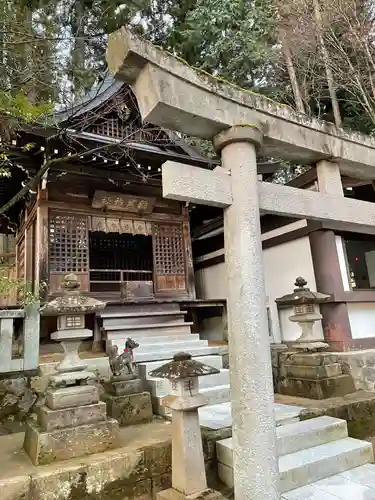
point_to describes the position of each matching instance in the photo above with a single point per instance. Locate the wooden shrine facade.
(122, 246)
(98, 211)
(102, 215)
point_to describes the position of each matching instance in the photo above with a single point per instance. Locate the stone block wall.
(361, 366)
(128, 473)
(20, 395)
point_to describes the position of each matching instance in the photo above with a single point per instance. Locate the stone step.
(354, 484)
(166, 339)
(314, 464)
(140, 314)
(160, 387)
(213, 396)
(150, 327)
(147, 330)
(294, 437)
(176, 346)
(138, 308)
(219, 416)
(168, 353)
(145, 368)
(143, 319)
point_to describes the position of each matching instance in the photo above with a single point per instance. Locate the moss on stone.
(46, 458)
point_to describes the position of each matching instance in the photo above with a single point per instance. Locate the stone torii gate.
(173, 95)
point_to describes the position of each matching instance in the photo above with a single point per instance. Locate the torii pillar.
(255, 465)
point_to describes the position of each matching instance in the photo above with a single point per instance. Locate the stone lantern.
(188, 469)
(73, 422)
(71, 308)
(306, 312)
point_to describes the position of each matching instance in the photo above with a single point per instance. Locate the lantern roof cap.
(302, 295)
(183, 366)
(71, 300)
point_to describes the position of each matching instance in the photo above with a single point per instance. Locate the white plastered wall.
(362, 319)
(282, 265)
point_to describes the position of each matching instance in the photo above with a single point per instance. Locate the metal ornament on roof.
(183, 367)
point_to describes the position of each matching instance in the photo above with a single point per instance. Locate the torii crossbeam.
(173, 95)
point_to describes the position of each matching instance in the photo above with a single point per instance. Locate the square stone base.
(70, 397)
(51, 420)
(44, 447)
(172, 494)
(317, 388)
(131, 409)
(124, 387)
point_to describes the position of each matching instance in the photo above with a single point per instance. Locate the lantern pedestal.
(306, 317)
(126, 401)
(314, 375)
(73, 422)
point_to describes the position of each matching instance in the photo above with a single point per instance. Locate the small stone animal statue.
(118, 363)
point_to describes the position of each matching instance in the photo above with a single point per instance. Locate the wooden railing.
(131, 283)
(8, 271)
(19, 339)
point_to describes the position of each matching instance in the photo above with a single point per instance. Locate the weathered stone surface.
(361, 366)
(314, 372)
(51, 420)
(308, 359)
(62, 444)
(17, 402)
(114, 475)
(172, 494)
(158, 459)
(197, 104)
(209, 438)
(131, 409)
(124, 387)
(15, 488)
(369, 373)
(72, 396)
(358, 409)
(161, 483)
(317, 388)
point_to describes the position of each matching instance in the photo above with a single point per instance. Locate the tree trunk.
(78, 50)
(292, 75)
(330, 81)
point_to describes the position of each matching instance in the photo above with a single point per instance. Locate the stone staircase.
(317, 461)
(160, 330)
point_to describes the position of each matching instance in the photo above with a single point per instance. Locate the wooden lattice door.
(169, 259)
(68, 249)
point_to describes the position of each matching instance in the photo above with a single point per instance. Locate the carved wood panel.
(68, 249)
(169, 257)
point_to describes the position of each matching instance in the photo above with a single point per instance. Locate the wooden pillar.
(336, 325)
(41, 249)
(190, 279)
